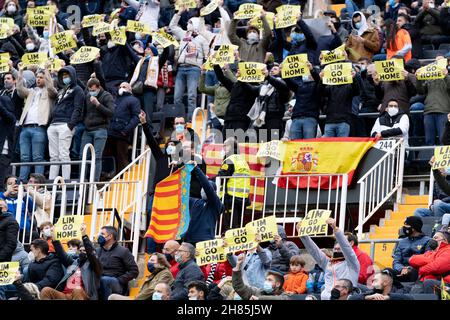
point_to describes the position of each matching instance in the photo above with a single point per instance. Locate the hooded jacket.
(347, 269)
(406, 248)
(437, 94)
(395, 126)
(70, 101)
(91, 269)
(125, 117)
(98, 117)
(46, 272)
(9, 229)
(366, 45)
(433, 264)
(282, 255)
(21, 256)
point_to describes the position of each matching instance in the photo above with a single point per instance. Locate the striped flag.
(444, 294)
(170, 211)
(211, 154)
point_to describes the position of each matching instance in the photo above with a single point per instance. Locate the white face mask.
(111, 44)
(121, 91)
(47, 233)
(11, 9)
(30, 46)
(31, 256)
(252, 37)
(193, 298)
(392, 111)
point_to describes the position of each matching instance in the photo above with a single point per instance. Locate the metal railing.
(378, 184)
(284, 207)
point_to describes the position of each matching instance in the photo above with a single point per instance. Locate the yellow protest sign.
(4, 56)
(164, 39)
(265, 227)
(337, 74)
(224, 55)
(119, 36)
(5, 30)
(287, 16)
(208, 65)
(295, 66)
(432, 71)
(209, 8)
(68, 227)
(34, 59)
(441, 157)
(271, 149)
(92, 19)
(4, 62)
(55, 64)
(314, 223)
(102, 27)
(8, 21)
(139, 27)
(390, 70)
(248, 11)
(210, 251)
(8, 272)
(84, 54)
(62, 41)
(39, 20)
(335, 55)
(240, 239)
(43, 10)
(251, 71)
(187, 3)
(257, 21)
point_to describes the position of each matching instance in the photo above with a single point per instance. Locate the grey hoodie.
(21, 256)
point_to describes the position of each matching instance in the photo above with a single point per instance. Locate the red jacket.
(433, 264)
(174, 268)
(365, 265)
(221, 269)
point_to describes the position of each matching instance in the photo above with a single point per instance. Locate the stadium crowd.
(57, 112)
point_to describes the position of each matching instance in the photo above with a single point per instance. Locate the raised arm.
(232, 33)
(22, 91)
(267, 33)
(175, 28)
(227, 83)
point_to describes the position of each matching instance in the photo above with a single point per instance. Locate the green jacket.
(437, 94)
(220, 93)
(148, 287)
(245, 291)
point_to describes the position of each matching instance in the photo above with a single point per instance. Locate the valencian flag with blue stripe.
(170, 211)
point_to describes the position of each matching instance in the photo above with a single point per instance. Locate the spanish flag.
(170, 211)
(444, 294)
(211, 154)
(321, 156)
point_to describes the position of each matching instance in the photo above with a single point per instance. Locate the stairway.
(388, 229)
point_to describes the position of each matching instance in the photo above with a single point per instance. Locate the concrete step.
(408, 208)
(384, 236)
(385, 229)
(394, 223)
(416, 200)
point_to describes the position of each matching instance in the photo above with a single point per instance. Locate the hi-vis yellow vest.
(239, 184)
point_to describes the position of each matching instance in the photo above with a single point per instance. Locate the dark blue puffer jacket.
(126, 116)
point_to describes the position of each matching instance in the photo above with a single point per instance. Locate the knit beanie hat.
(415, 222)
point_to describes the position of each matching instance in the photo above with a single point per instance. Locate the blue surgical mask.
(157, 296)
(178, 258)
(216, 30)
(170, 150)
(179, 128)
(138, 36)
(151, 267)
(45, 34)
(393, 4)
(268, 287)
(297, 37)
(447, 171)
(237, 297)
(305, 78)
(93, 93)
(358, 25)
(101, 240)
(67, 81)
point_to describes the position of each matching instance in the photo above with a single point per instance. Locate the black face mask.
(337, 25)
(407, 230)
(168, 257)
(82, 257)
(335, 294)
(102, 42)
(338, 255)
(433, 244)
(379, 291)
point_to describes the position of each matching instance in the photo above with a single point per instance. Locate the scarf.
(152, 72)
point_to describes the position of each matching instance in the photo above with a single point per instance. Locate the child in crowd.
(295, 280)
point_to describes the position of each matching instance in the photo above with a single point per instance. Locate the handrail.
(194, 116)
(134, 145)
(87, 147)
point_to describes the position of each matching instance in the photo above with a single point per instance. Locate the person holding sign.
(83, 272)
(147, 12)
(343, 264)
(11, 10)
(282, 250)
(363, 41)
(253, 48)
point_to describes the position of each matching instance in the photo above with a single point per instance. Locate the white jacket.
(150, 12)
(216, 39)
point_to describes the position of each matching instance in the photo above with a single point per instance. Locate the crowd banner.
(441, 157)
(92, 19)
(164, 39)
(62, 41)
(314, 223)
(295, 66)
(102, 27)
(224, 55)
(322, 156)
(248, 11)
(84, 54)
(287, 16)
(34, 59)
(7, 21)
(266, 228)
(210, 251)
(270, 149)
(138, 27)
(390, 70)
(39, 20)
(119, 35)
(55, 64)
(210, 8)
(4, 62)
(251, 71)
(5, 30)
(68, 227)
(189, 4)
(335, 55)
(433, 71)
(8, 272)
(337, 74)
(44, 10)
(257, 21)
(170, 212)
(240, 239)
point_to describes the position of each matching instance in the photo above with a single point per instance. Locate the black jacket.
(276, 103)
(46, 272)
(7, 123)
(118, 262)
(125, 118)
(242, 96)
(98, 117)
(15, 99)
(189, 271)
(118, 62)
(70, 102)
(9, 229)
(369, 100)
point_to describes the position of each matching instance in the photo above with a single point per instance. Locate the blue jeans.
(33, 141)
(148, 101)
(98, 139)
(352, 7)
(76, 151)
(341, 129)
(379, 57)
(303, 128)
(417, 120)
(434, 124)
(187, 77)
(423, 212)
(446, 219)
(8, 288)
(108, 286)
